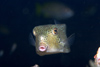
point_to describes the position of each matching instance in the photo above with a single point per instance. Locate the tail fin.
(38, 9)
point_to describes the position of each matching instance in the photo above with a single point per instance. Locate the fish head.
(50, 39)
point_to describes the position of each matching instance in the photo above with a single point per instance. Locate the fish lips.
(43, 47)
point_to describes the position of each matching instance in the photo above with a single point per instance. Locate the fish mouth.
(42, 47)
(99, 62)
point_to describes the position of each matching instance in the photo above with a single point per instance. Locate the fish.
(97, 58)
(54, 10)
(51, 39)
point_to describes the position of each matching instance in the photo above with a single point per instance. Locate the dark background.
(19, 17)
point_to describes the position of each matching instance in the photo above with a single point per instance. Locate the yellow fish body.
(51, 39)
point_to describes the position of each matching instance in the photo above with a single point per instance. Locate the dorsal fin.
(56, 22)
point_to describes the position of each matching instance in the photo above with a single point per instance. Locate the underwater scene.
(49, 33)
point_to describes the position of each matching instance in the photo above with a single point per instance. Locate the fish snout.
(42, 47)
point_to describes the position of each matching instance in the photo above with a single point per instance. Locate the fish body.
(54, 10)
(51, 39)
(97, 58)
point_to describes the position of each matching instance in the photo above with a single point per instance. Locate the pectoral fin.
(31, 40)
(69, 42)
(66, 49)
(71, 39)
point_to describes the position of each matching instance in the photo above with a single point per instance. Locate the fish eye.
(55, 31)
